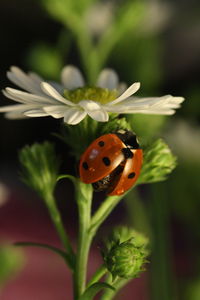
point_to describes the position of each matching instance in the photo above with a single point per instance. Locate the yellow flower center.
(97, 94)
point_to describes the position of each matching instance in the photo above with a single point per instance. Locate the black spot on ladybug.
(101, 143)
(85, 165)
(131, 175)
(127, 153)
(106, 161)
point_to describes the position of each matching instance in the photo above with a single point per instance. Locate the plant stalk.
(84, 242)
(56, 219)
(100, 272)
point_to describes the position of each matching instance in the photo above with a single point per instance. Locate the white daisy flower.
(73, 100)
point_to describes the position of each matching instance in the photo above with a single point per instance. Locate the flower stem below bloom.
(97, 275)
(56, 219)
(109, 294)
(84, 200)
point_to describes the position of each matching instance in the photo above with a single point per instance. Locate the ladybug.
(112, 162)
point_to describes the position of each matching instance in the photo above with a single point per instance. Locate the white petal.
(24, 81)
(15, 98)
(35, 77)
(153, 112)
(35, 113)
(17, 108)
(15, 116)
(99, 115)
(74, 116)
(56, 111)
(122, 109)
(24, 97)
(72, 78)
(130, 91)
(155, 101)
(108, 79)
(174, 102)
(94, 110)
(89, 105)
(50, 91)
(164, 105)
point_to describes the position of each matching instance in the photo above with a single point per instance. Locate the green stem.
(120, 283)
(89, 60)
(56, 218)
(88, 51)
(84, 239)
(97, 275)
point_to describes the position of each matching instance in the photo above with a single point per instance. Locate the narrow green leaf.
(94, 289)
(41, 245)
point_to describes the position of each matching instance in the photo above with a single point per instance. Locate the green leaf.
(94, 289)
(41, 245)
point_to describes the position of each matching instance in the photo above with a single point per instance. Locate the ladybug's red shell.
(104, 156)
(130, 173)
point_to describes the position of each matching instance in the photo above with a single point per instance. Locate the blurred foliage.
(184, 139)
(45, 55)
(147, 127)
(193, 290)
(11, 262)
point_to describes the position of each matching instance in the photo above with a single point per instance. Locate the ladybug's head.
(128, 138)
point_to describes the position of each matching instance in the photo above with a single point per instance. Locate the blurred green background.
(155, 42)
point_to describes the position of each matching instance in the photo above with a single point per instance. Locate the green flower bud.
(122, 234)
(125, 260)
(158, 163)
(39, 167)
(126, 252)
